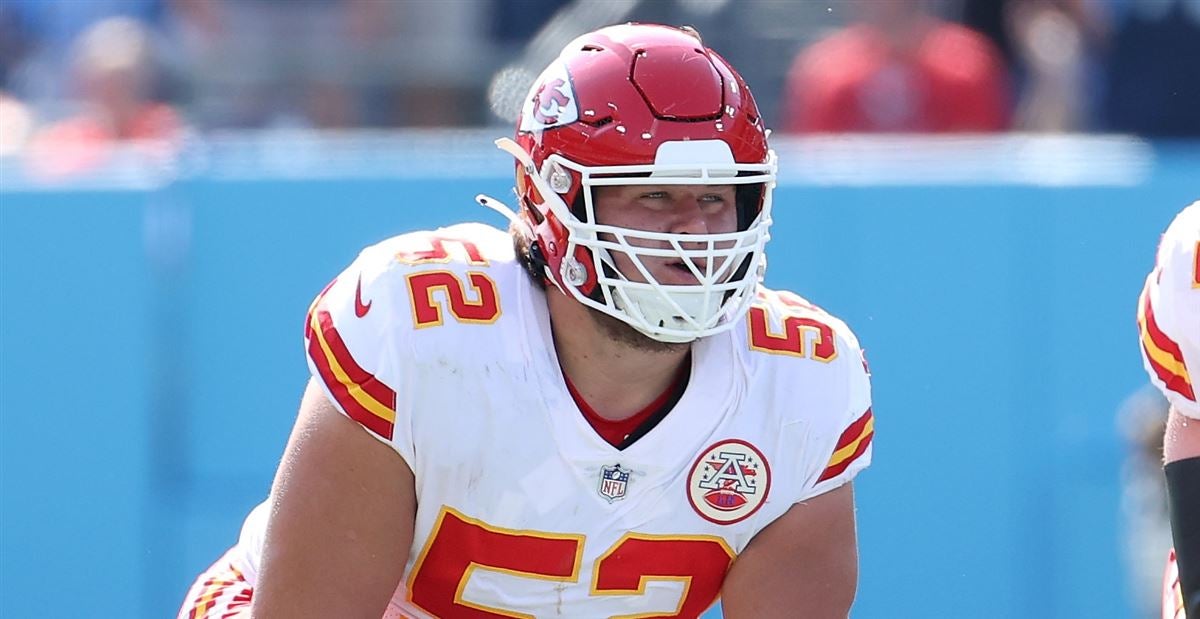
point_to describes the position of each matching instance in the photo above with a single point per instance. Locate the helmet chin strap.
(657, 311)
(650, 307)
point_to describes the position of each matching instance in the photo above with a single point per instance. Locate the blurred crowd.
(81, 74)
(1145, 521)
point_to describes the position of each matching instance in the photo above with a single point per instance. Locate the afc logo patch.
(729, 482)
(614, 481)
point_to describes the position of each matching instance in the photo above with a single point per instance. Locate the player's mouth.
(682, 274)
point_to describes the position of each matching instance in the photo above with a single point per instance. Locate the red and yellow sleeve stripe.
(365, 398)
(1162, 353)
(852, 444)
(226, 583)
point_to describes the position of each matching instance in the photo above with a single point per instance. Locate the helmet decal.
(552, 102)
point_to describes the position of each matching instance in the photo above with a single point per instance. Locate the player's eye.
(654, 195)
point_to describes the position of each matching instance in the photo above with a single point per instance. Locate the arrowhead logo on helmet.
(553, 101)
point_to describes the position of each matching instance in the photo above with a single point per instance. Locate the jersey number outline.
(1196, 267)
(484, 309)
(427, 312)
(439, 250)
(799, 324)
(459, 545)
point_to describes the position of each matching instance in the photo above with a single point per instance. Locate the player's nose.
(688, 216)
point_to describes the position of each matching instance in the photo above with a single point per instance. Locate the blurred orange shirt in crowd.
(951, 79)
(83, 143)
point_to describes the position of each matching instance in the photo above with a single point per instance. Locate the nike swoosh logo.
(360, 308)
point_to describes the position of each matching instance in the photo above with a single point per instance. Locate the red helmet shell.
(613, 97)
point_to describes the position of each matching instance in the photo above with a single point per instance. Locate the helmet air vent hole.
(599, 122)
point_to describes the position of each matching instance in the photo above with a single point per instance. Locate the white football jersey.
(1169, 313)
(439, 344)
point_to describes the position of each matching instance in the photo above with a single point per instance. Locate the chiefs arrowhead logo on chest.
(729, 481)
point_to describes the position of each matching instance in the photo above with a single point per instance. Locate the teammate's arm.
(805, 564)
(1181, 451)
(341, 523)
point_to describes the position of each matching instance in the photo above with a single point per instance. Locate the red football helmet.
(643, 104)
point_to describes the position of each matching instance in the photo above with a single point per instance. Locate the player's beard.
(624, 333)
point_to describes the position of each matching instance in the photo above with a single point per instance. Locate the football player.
(601, 412)
(1169, 324)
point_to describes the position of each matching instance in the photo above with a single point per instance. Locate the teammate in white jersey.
(1169, 323)
(599, 413)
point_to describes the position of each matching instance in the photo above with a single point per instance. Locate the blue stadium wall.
(151, 359)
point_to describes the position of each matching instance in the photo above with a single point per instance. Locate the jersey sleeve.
(821, 359)
(353, 340)
(845, 439)
(1168, 314)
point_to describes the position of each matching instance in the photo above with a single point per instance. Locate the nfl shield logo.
(613, 482)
